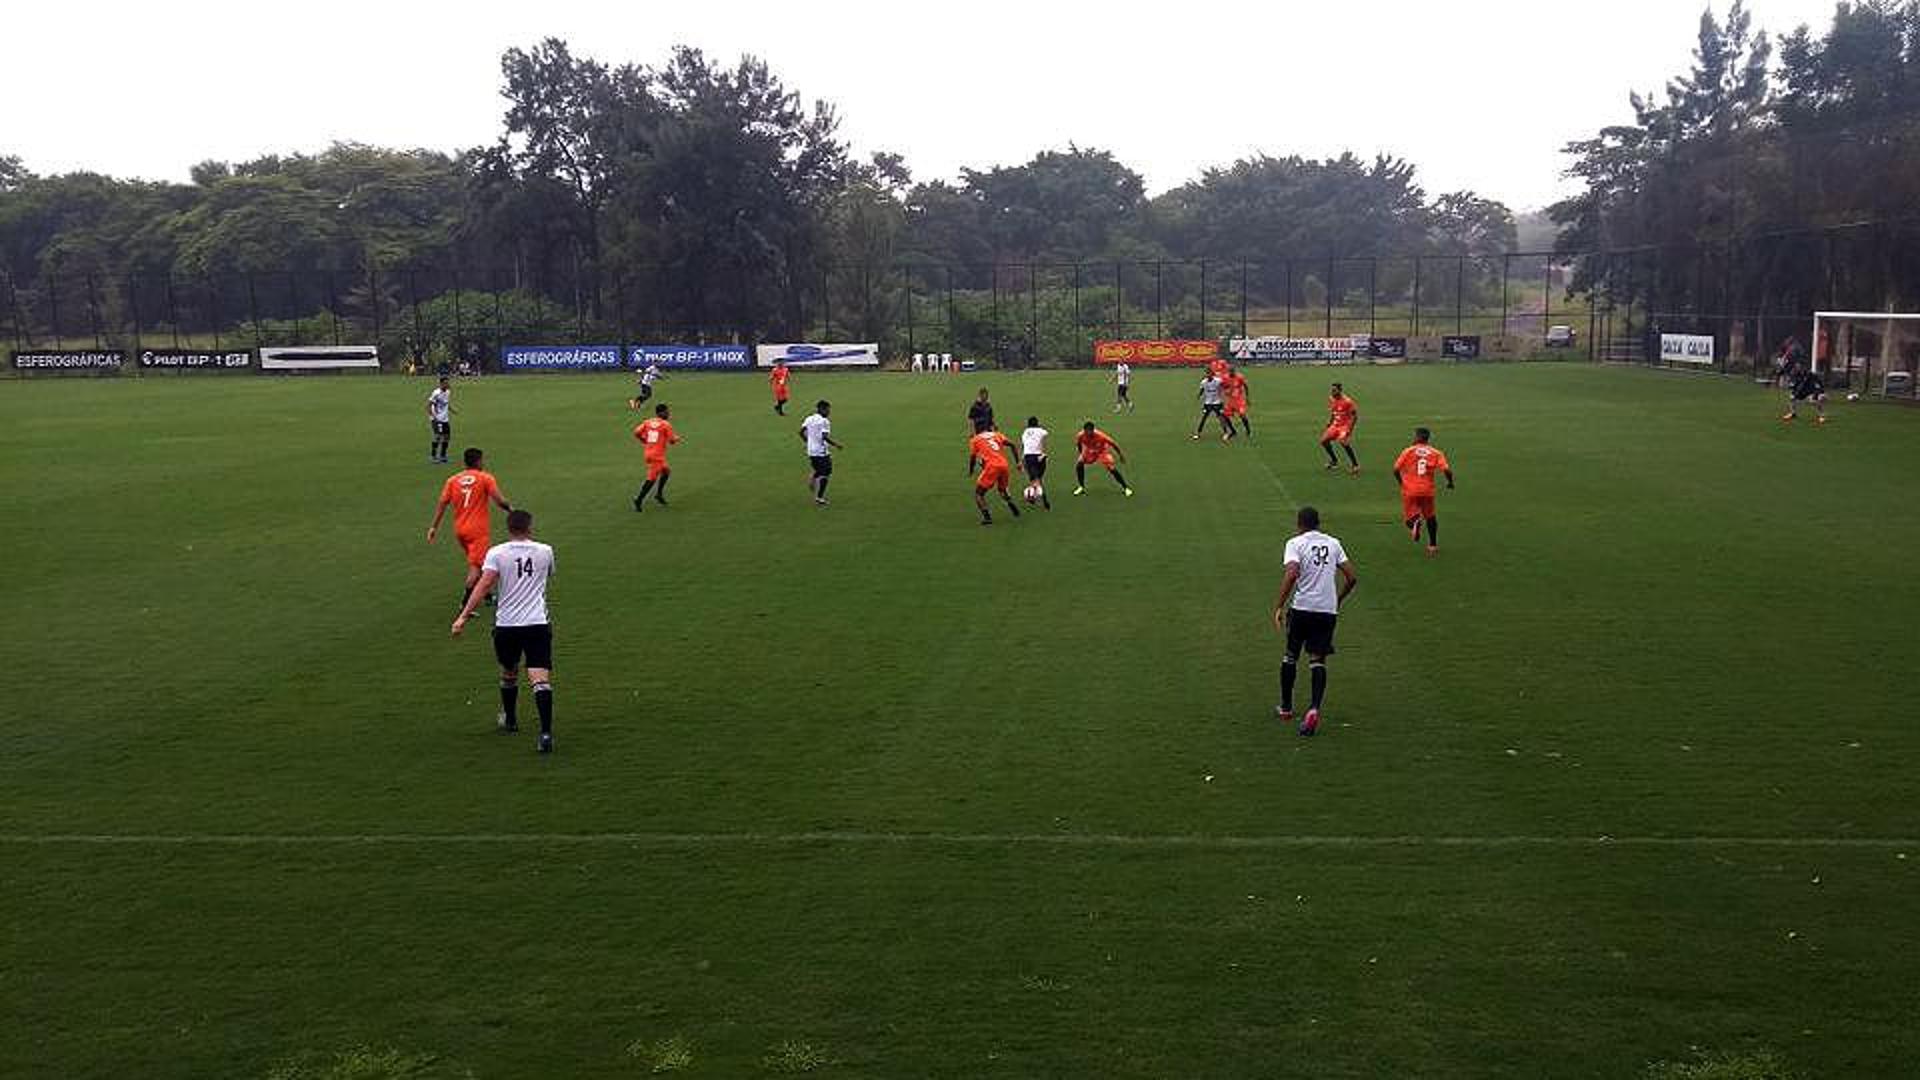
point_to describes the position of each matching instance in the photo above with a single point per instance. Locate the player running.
(655, 436)
(1097, 448)
(648, 376)
(1213, 398)
(778, 380)
(1342, 415)
(1236, 387)
(469, 492)
(1122, 387)
(1307, 610)
(988, 447)
(520, 568)
(1414, 470)
(816, 432)
(440, 421)
(1807, 386)
(1033, 455)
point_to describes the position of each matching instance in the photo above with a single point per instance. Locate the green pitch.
(876, 792)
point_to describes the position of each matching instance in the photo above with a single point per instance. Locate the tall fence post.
(1203, 298)
(1416, 296)
(1459, 294)
(1243, 298)
(1333, 275)
(1159, 308)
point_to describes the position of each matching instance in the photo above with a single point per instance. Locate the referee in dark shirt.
(979, 418)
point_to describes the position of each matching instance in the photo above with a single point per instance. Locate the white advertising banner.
(828, 355)
(1686, 348)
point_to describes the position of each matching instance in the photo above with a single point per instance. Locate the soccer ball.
(1034, 493)
(1853, 397)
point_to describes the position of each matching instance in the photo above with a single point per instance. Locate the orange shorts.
(1236, 408)
(1415, 506)
(476, 546)
(780, 394)
(992, 476)
(1340, 433)
(1102, 460)
(656, 468)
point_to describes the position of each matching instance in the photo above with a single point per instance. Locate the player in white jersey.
(648, 376)
(521, 628)
(1213, 402)
(1033, 454)
(1319, 576)
(816, 432)
(1122, 384)
(440, 420)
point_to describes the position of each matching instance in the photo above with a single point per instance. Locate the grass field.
(875, 792)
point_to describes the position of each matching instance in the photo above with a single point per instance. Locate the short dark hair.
(822, 405)
(983, 391)
(1088, 426)
(1033, 421)
(1338, 386)
(519, 521)
(443, 378)
(1421, 434)
(472, 457)
(1308, 518)
(660, 409)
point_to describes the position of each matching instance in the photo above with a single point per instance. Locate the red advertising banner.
(1157, 352)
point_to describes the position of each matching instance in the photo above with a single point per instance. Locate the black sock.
(543, 701)
(1118, 479)
(1246, 425)
(1318, 669)
(1288, 672)
(1080, 476)
(1433, 532)
(660, 493)
(1354, 461)
(1011, 505)
(510, 700)
(1328, 447)
(822, 489)
(644, 489)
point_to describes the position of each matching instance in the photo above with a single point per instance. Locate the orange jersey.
(1218, 368)
(655, 436)
(989, 448)
(1093, 444)
(779, 378)
(1416, 466)
(470, 492)
(1236, 385)
(1341, 411)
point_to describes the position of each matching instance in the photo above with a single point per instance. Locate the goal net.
(1866, 352)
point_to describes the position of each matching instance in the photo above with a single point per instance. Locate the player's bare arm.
(1449, 474)
(439, 512)
(480, 589)
(1348, 579)
(1286, 593)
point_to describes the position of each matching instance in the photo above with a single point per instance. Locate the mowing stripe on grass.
(1115, 840)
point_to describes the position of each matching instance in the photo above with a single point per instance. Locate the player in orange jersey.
(778, 380)
(1414, 469)
(1235, 385)
(655, 436)
(988, 447)
(1097, 448)
(1217, 368)
(1342, 415)
(471, 492)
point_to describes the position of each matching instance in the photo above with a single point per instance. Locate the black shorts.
(534, 642)
(646, 391)
(442, 428)
(1036, 466)
(1310, 630)
(1122, 388)
(1212, 410)
(822, 465)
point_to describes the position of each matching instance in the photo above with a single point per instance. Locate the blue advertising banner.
(559, 357)
(691, 357)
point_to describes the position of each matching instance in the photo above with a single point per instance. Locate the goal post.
(1872, 352)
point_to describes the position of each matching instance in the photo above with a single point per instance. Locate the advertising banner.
(319, 357)
(1156, 352)
(691, 357)
(561, 357)
(1387, 348)
(1686, 348)
(1460, 346)
(69, 359)
(823, 355)
(1294, 348)
(217, 360)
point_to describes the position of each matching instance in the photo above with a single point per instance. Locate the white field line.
(946, 839)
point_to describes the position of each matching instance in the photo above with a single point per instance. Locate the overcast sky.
(1478, 94)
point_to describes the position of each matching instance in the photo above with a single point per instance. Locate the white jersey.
(440, 406)
(651, 373)
(1319, 558)
(523, 567)
(1033, 442)
(1122, 374)
(817, 428)
(1211, 391)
